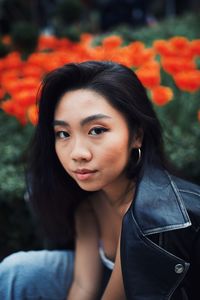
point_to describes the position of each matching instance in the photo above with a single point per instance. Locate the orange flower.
(37, 59)
(32, 114)
(161, 95)
(30, 70)
(181, 47)
(13, 60)
(195, 47)
(46, 42)
(16, 85)
(163, 48)
(8, 78)
(13, 109)
(188, 81)
(112, 41)
(25, 98)
(149, 78)
(63, 44)
(20, 79)
(137, 54)
(174, 48)
(52, 61)
(152, 65)
(2, 65)
(175, 65)
(137, 47)
(6, 40)
(8, 106)
(179, 42)
(86, 38)
(30, 83)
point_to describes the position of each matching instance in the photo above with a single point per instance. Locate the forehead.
(83, 101)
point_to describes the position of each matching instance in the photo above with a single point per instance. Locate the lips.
(83, 174)
(84, 171)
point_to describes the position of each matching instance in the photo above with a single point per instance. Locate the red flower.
(163, 48)
(25, 98)
(176, 65)
(195, 47)
(179, 42)
(150, 78)
(6, 40)
(46, 42)
(32, 114)
(188, 81)
(161, 95)
(31, 70)
(13, 60)
(13, 109)
(112, 41)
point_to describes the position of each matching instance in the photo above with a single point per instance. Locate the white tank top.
(106, 261)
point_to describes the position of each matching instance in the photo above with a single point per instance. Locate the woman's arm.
(88, 269)
(115, 287)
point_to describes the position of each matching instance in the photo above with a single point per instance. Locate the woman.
(99, 177)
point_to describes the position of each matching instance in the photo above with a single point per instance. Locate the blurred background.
(159, 39)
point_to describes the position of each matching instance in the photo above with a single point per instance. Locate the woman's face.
(92, 140)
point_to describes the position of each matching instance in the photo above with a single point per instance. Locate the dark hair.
(54, 195)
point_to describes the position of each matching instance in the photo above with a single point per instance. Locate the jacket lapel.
(158, 205)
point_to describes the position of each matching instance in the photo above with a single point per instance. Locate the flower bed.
(177, 57)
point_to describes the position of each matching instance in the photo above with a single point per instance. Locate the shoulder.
(190, 193)
(188, 190)
(186, 187)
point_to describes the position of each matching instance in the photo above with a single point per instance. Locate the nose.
(80, 151)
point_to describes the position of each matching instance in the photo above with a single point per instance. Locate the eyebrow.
(83, 122)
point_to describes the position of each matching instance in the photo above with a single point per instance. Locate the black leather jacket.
(160, 242)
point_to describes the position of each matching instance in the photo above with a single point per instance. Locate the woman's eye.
(62, 134)
(97, 130)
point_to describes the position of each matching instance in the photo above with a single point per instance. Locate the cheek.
(116, 154)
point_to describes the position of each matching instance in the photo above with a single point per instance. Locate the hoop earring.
(139, 156)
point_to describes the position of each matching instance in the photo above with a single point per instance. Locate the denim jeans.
(36, 275)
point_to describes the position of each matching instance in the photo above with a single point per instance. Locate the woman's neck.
(120, 196)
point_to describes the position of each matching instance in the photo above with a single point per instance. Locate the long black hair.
(54, 194)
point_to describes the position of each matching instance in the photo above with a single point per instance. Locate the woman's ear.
(138, 138)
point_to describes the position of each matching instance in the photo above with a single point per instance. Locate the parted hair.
(54, 195)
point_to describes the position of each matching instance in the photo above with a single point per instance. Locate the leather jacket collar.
(158, 204)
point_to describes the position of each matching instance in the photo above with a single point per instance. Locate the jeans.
(36, 275)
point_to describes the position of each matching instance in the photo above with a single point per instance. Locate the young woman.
(98, 177)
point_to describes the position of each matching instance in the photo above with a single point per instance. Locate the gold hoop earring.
(139, 156)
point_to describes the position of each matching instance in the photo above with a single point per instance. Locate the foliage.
(182, 133)
(13, 11)
(4, 49)
(17, 228)
(66, 19)
(24, 36)
(14, 141)
(71, 32)
(186, 25)
(68, 11)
